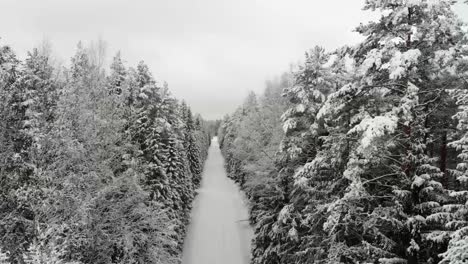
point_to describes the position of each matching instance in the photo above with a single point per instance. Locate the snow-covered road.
(219, 232)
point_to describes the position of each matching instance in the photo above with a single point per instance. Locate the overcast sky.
(211, 52)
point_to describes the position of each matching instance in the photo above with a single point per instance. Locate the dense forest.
(359, 155)
(96, 165)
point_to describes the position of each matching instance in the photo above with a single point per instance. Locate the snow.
(457, 252)
(289, 124)
(414, 2)
(143, 96)
(28, 102)
(350, 64)
(461, 233)
(284, 214)
(440, 217)
(413, 246)
(301, 182)
(396, 40)
(408, 103)
(444, 56)
(373, 57)
(438, 236)
(400, 62)
(330, 61)
(333, 102)
(459, 194)
(462, 179)
(418, 182)
(292, 233)
(414, 33)
(3, 256)
(355, 190)
(300, 108)
(374, 127)
(219, 231)
(392, 261)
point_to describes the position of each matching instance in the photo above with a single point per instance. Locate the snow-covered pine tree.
(14, 141)
(193, 151)
(240, 155)
(177, 165)
(249, 141)
(118, 108)
(84, 143)
(40, 91)
(146, 130)
(230, 143)
(117, 78)
(259, 137)
(158, 130)
(457, 209)
(298, 146)
(399, 94)
(16, 169)
(131, 229)
(317, 180)
(40, 101)
(197, 123)
(78, 163)
(203, 137)
(310, 87)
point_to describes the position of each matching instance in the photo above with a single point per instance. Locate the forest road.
(219, 232)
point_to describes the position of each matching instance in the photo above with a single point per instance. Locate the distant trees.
(249, 141)
(94, 166)
(372, 162)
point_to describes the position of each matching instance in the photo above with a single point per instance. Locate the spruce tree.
(193, 151)
(16, 218)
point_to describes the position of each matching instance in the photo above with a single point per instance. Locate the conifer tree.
(117, 78)
(365, 171)
(93, 168)
(16, 217)
(193, 152)
(146, 131)
(399, 61)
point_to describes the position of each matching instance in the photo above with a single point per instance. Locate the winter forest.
(95, 167)
(356, 155)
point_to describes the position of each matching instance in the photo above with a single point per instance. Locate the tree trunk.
(443, 159)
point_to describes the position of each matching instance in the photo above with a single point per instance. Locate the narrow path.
(219, 232)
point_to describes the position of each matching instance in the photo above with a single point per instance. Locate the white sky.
(211, 52)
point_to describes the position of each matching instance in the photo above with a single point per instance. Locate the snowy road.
(219, 232)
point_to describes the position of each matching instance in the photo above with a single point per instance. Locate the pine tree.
(193, 151)
(16, 217)
(456, 210)
(380, 103)
(317, 182)
(117, 78)
(364, 173)
(146, 131)
(249, 140)
(92, 167)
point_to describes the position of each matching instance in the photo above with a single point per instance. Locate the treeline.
(96, 166)
(371, 163)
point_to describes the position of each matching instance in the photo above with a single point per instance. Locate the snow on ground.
(219, 232)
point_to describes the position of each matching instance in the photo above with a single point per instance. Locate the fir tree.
(117, 78)
(16, 217)
(193, 152)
